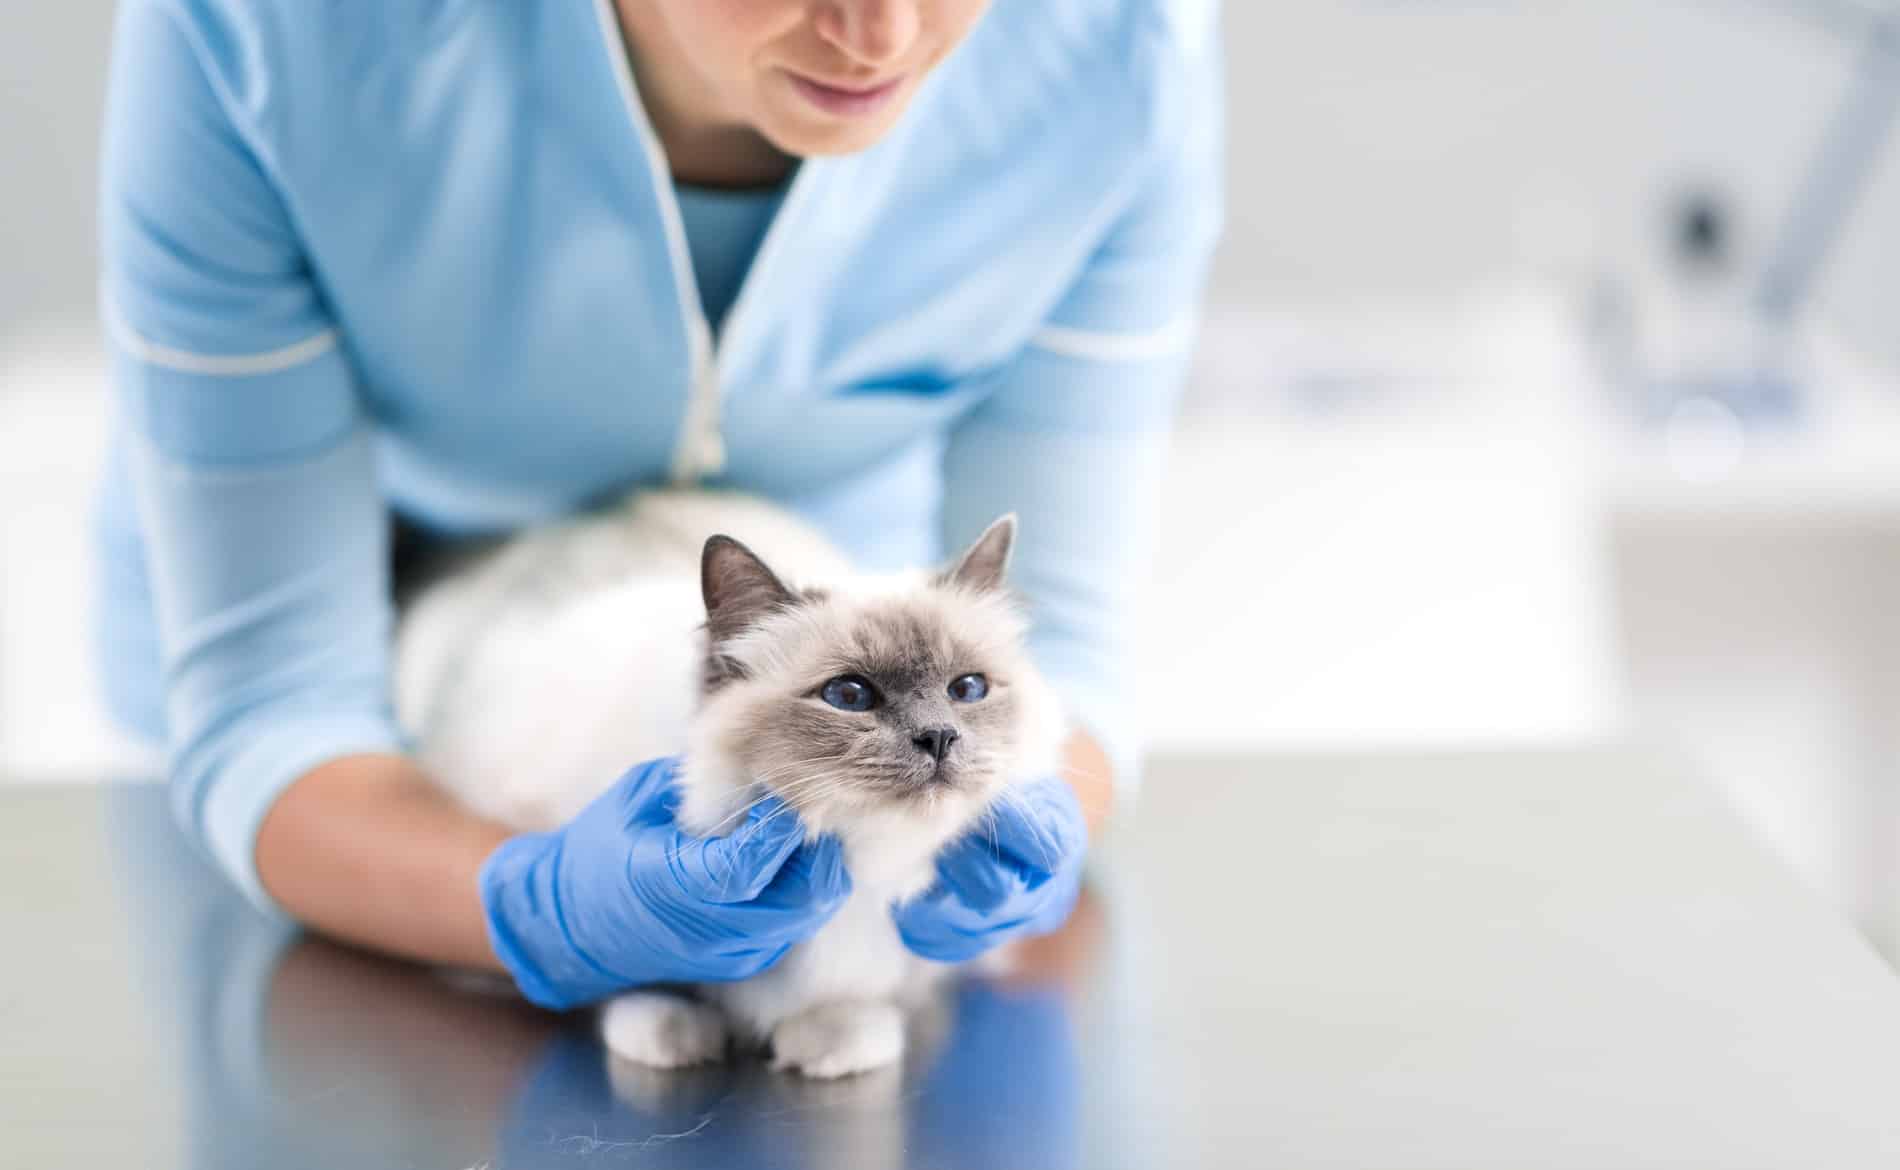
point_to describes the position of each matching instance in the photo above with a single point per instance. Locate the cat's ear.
(738, 587)
(982, 566)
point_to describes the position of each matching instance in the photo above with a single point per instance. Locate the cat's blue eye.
(850, 692)
(969, 688)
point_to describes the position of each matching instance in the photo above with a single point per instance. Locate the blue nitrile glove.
(620, 896)
(1015, 874)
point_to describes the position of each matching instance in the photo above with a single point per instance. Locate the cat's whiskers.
(794, 795)
(766, 793)
(717, 826)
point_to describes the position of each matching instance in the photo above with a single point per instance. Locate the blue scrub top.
(428, 258)
(723, 232)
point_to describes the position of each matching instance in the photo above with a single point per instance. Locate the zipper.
(803, 179)
(700, 449)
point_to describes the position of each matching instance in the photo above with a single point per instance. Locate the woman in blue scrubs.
(902, 265)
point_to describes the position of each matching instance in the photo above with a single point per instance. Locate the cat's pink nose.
(936, 741)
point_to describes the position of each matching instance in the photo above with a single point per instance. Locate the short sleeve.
(257, 504)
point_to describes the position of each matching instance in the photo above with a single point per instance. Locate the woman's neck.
(704, 145)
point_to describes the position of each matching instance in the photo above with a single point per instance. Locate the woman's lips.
(845, 103)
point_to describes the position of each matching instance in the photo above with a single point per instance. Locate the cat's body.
(534, 677)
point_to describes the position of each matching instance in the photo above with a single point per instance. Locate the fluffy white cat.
(534, 676)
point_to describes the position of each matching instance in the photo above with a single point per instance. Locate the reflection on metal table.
(1552, 960)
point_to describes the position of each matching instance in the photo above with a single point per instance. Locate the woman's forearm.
(1088, 771)
(366, 849)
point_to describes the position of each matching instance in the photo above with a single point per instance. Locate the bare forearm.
(1086, 766)
(367, 850)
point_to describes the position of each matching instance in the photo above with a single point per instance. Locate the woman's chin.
(809, 135)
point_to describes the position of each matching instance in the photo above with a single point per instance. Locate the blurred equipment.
(1727, 358)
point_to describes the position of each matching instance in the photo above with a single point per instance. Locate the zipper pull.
(709, 446)
(710, 457)
(701, 451)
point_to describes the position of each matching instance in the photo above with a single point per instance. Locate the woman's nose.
(870, 32)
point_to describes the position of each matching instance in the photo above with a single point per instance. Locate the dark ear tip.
(729, 573)
(720, 546)
(719, 552)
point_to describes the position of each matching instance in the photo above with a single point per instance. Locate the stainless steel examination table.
(1515, 960)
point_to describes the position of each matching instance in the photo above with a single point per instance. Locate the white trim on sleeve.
(1101, 346)
(217, 365)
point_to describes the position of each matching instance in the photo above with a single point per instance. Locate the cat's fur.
(534, 677)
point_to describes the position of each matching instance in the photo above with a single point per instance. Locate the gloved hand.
(620, 896)
(1015, 874)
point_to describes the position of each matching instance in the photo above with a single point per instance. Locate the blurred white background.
(1415, 501)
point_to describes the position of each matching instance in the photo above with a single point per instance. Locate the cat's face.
(911, 694)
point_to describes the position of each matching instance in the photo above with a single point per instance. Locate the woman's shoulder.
(1131, 37)
(245, 21)
(261, 54)
(1118, 61)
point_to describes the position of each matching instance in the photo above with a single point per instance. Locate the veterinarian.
(900, 265)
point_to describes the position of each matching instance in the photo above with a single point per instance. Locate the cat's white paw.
(839, 1039)
(663, 1031)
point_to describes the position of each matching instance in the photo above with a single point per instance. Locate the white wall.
(52, 414)
(1767, 651)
